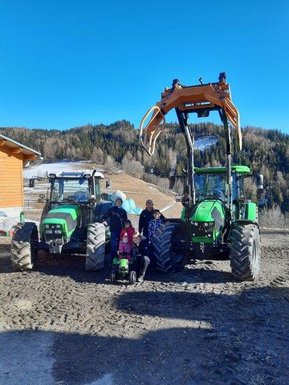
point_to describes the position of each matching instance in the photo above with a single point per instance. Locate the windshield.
(210, 186)
(70, 190)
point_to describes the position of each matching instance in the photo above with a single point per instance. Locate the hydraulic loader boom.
(200, 99)
(217, 220)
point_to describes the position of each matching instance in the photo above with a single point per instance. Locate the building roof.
(28, 153)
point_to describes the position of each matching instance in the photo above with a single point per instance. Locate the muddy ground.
(62, 325)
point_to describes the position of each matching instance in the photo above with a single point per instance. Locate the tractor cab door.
(95, 188)
(243, 192)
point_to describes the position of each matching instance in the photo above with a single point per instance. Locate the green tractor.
(69, 222)
(217, 220)
(208, 229)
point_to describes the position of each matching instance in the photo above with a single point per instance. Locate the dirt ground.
(62, 325)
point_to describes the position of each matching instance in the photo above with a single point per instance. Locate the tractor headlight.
(53, 230)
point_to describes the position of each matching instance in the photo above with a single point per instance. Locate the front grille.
(202, 229)
(52, 232)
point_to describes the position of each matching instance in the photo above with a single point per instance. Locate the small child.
(124, 248)
(155, 224)
(129, 230)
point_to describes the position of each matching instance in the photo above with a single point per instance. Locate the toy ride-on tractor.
(123, 269)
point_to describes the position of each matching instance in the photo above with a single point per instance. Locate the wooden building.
(13, 157)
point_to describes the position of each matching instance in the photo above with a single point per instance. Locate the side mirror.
(260, 182)
(32, 182)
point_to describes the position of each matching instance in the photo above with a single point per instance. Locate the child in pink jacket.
(124, 248)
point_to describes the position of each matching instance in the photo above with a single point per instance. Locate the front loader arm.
(200, 99)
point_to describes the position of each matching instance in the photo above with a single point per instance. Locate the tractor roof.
(220, 170)
(76, 174)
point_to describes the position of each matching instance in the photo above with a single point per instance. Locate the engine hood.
(209, 211)
(66, 216)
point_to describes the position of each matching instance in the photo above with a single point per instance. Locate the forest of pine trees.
(117, 144)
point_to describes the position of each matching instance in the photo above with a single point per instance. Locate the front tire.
(167, 257)
(24, 245)
(112, 277)
(132, 277)
(245, 252)
(95, 246)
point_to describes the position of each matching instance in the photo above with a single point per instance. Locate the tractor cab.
(209, 219)
(211, 183)
(75, 202)
(74, 187)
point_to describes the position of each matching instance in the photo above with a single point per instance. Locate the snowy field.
(41, 170)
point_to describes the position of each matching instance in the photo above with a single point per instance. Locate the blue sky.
(66, 63)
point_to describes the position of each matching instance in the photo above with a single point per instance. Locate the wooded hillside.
(117, 145)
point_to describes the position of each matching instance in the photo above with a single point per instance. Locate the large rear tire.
(95, 246)
(165, 239)
(245, 252)
(24, 245)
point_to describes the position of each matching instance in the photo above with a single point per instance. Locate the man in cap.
(117, 216)
(145, 216)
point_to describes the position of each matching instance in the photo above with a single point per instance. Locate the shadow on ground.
(242, 339)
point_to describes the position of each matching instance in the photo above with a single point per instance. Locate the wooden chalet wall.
(11, 177)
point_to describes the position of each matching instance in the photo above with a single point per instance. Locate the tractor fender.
(247, 222)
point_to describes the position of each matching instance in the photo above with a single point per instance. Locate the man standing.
(117, 216)
(145, 216)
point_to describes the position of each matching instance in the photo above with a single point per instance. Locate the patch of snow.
(205, 142)
(43, 169)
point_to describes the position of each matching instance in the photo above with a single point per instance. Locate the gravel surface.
(61, 325)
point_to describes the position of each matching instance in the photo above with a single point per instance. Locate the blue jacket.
(144, 219)
(154, 224)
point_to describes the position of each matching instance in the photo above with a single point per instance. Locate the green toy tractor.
(69, 222)
(217, 220)
(123, 269)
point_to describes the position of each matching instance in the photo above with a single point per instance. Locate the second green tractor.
(217, 220)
